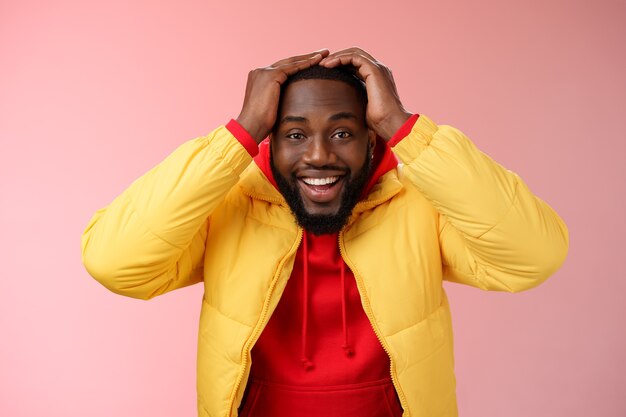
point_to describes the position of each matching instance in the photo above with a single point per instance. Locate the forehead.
(321, 97)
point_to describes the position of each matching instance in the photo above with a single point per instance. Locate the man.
(323, 260)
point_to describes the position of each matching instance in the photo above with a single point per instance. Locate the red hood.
(384, 161)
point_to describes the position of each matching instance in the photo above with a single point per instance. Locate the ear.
(270, 137)
(371, 137)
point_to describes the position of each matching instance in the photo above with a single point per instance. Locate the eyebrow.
(334, 117)
(342, 115)
(294, 119)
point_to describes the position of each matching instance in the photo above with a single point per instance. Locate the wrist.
(242, 135)
(404, 131)
(388, 128)
(253, 129)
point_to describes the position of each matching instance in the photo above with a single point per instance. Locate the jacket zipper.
(368, 312)
(366, 306)
(256, 332)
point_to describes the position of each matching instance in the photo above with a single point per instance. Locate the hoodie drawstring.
(346, 346)
(306, 363)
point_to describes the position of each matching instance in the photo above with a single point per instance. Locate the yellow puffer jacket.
(207, 214)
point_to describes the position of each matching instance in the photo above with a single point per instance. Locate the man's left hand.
(385, 113)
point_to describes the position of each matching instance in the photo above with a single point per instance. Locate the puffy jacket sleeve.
(494, 233)
(151, 238)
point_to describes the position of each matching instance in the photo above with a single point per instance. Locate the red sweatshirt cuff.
(404, 130)
(242, 135)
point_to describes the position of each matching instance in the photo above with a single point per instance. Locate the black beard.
(320, 224)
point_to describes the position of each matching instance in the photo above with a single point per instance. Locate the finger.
(293, 67)
(350, 58)
(353, 50)
(323, 52)
(363, 65)
(282, 72)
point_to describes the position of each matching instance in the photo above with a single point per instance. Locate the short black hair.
(344, 73)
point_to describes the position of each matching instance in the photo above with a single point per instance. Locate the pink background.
(93, 94)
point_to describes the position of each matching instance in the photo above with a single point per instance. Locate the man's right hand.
(260, 104)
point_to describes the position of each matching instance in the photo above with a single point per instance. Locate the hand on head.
(385, 112)
(260, 103)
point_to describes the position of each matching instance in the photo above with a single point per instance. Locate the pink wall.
(92, 94)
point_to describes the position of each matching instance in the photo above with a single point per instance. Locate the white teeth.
(320, 181)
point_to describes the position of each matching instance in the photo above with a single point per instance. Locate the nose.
(319, 152)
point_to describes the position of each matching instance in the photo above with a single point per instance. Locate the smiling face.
(321, 152)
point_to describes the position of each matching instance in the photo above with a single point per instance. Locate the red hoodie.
(318, 356)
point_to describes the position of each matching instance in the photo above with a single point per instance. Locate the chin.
(313, 209)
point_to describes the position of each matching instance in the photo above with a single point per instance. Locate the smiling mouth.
(321, 190)
(320, 181)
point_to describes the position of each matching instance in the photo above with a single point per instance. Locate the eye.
(296, 136)
(342, 134)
